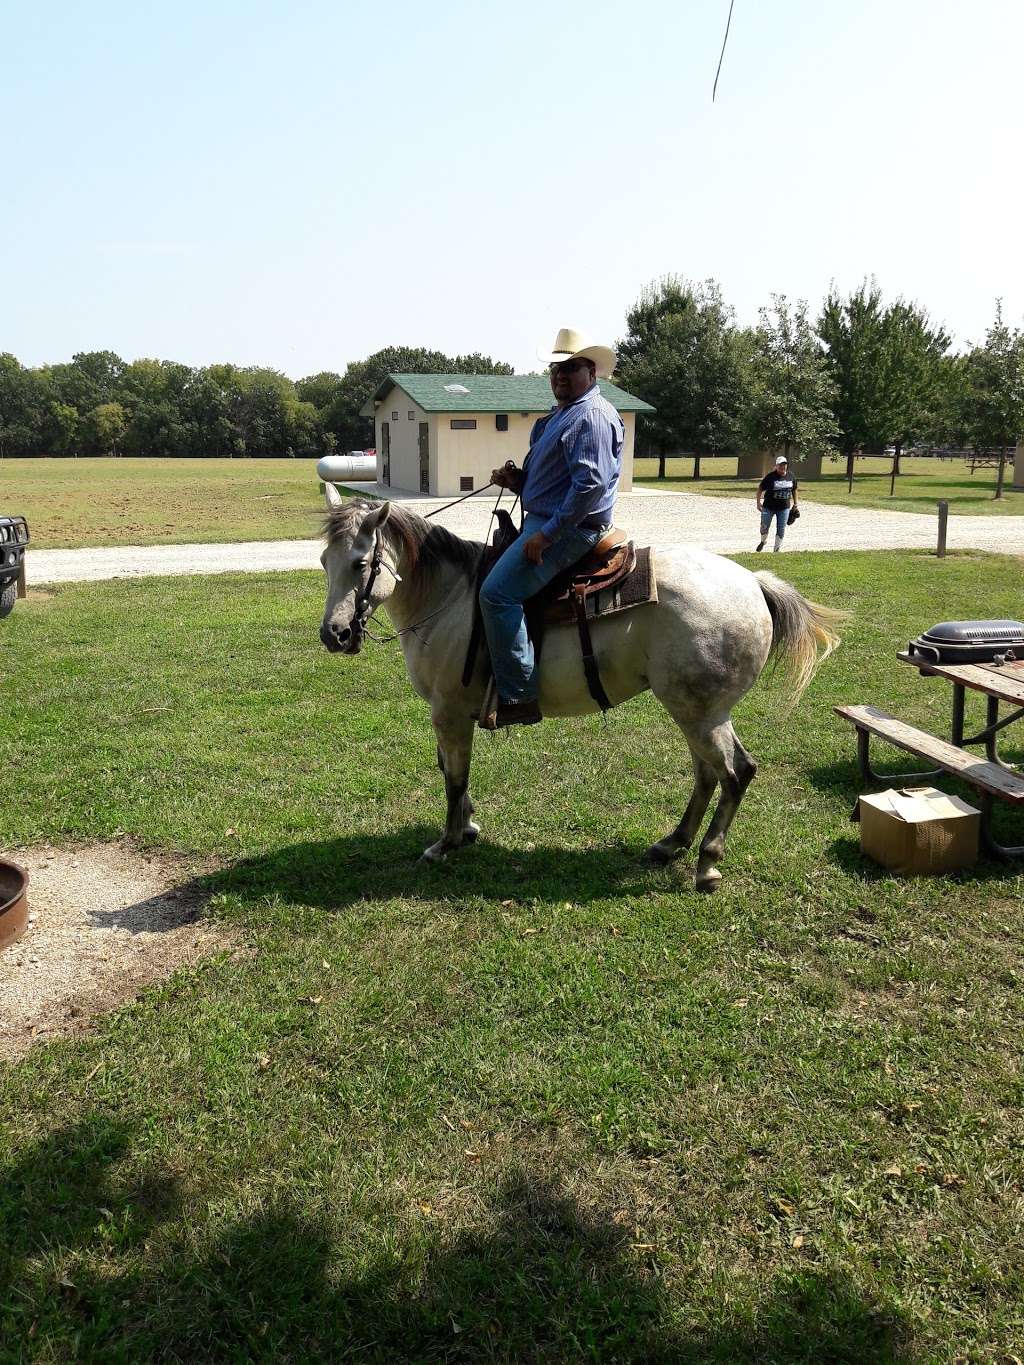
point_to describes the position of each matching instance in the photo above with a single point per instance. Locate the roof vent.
(455, 388)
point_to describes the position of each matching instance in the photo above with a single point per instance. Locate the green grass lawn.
(71, 503)
(542, 1103)
(918, 490)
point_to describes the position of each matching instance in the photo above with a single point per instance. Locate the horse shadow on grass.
(539, 1279)
(336, 873)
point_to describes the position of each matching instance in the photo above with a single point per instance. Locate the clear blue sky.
(298, 185)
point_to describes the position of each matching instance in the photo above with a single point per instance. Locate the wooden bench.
(991, 780)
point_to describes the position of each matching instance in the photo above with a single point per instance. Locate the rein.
(364, 613)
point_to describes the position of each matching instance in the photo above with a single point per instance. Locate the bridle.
(364, 608)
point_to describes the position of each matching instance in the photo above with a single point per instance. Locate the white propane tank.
(356, 466)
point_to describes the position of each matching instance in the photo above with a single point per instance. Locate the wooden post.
(22, 589)
(943, 518)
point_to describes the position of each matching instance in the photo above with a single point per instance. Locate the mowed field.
(917, 490)
(73, 503)
(543, 1103)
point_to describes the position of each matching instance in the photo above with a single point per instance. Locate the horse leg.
(722, 749)
(454, 750)
(704, 782)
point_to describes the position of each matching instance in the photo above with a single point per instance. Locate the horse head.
(359, 574)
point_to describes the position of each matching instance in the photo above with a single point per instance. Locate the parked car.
(14, 539)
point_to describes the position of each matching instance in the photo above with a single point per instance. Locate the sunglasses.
(568, 366)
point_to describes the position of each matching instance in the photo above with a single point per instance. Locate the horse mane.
(424, 549)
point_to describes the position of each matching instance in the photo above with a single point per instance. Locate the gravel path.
(726, 525)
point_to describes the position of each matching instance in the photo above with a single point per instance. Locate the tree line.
(865, 376)
(99, 404)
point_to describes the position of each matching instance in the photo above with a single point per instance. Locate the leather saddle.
(610, 561)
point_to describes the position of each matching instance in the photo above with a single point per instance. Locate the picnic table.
(992, 777)
(997, 682)
(985, 459)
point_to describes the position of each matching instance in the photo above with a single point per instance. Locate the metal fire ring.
(13, 902)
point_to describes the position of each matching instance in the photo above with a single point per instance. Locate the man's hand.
(534, 548)
(508, 476)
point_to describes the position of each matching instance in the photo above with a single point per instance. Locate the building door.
(424, 457)
(385, 452)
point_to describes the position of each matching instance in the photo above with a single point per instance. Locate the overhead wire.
(714, 88)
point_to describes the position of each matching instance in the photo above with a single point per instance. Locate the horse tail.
(804, 632)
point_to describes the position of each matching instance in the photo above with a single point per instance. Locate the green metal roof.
(490, 393)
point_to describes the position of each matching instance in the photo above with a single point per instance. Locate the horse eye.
(360, 564)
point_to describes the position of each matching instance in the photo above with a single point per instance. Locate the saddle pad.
(635, 590)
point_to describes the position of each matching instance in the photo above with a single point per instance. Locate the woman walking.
(776, 501)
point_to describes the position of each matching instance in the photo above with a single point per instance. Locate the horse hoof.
(432, 855)
(471, 832)
(661, 856)
(709, 881)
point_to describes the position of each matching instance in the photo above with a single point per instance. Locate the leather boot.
(511, 713)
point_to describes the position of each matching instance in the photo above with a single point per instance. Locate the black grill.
(963, 642)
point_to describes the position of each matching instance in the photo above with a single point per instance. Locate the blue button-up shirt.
(574, 463)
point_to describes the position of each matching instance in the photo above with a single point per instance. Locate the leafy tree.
(319, 389)
(206, 417)
(258, 405)
(22, 408)
(362, 377)
(475, 363)
(993, 401)
(62, 429)
(106, 425)
(948, 424)
(683, 353)
(659, 301)
(853, 330)
(912, 376)
(886, 363)
(153, 391)
(91, 378)
(791, 393)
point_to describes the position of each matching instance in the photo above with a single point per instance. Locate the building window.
(465, 483)
(463, 424)
(501, 421)
(412, 415)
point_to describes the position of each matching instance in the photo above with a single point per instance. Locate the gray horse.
(699, 649)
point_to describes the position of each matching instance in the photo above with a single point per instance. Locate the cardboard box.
(918, 830)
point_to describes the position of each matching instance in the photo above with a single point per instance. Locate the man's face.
(570, 379)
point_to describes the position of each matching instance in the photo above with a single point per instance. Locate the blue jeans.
(512, 580)
(781, 517)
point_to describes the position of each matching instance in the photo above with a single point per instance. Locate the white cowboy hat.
(571, 344)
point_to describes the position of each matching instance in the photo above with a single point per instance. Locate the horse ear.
(377, 518)
(334, 498)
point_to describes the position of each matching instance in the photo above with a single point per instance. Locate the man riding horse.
(567, 484)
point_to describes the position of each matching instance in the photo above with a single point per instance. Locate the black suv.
(13, 541)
